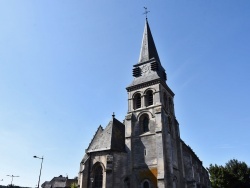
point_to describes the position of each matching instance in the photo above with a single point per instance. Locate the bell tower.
(151, 129)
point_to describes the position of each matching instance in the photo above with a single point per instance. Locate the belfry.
(145, 150)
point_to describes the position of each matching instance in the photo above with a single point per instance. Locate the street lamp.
(40, 169)
(12, 178)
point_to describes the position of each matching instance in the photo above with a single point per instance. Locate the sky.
(65, 64)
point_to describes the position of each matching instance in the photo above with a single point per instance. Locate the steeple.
(148, 49)
(149, 69)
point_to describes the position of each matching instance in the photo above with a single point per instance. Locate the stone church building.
(145, 150)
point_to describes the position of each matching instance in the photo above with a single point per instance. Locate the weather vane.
(146, 12)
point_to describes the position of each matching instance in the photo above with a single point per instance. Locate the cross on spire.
(146, 12)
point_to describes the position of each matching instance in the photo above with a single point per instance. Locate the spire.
(148, 49)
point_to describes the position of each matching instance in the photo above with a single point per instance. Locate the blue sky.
(65, 64)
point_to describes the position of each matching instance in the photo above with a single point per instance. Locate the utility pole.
(12, 176)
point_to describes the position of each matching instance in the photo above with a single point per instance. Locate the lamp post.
(12, 178)
(40, 169)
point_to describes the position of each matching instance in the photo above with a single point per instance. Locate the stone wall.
(195, 174)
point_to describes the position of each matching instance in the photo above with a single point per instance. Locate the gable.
(111, 138)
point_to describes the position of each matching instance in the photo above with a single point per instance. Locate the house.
(59, 182)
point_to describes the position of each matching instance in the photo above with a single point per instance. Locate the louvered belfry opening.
(149, 98)
(136, 72)
(154, 66)
(137, 101)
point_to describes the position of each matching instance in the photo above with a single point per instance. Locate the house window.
(137, 101)
(98, 177)
(149, 98)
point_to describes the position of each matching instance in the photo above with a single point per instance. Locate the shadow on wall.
(145, 176)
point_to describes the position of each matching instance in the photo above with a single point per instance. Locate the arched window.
(146, 184)
(145, 124)
(149, 98)
(98, 176)
(137, 101)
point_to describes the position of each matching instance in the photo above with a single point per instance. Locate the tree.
(235, 174)
(73, 185)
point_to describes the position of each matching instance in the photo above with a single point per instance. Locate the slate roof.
(59, 182)
(148, 49)
(111, 138)
(46, 184)
(95, 139)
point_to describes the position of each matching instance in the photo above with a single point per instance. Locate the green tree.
(235, 174)
(73, 185)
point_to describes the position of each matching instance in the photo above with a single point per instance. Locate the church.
(145, 149)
